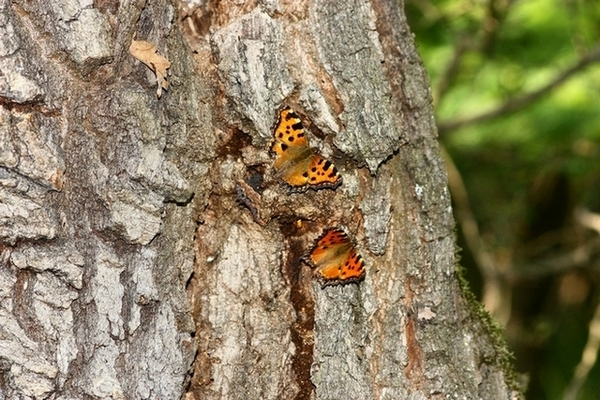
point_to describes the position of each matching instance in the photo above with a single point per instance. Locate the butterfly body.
(335, 258)
(299, 165)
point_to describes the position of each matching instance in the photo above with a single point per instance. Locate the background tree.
(114, 199)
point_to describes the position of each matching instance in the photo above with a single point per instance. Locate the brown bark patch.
(414, 368)
(302, 330)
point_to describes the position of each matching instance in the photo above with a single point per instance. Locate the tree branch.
(588, 219)
(452, 68)
(589, 356)
(576, 258)
(579, 257)
(490, 24)
(521, 102)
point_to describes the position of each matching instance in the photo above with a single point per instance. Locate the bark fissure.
(302, 330)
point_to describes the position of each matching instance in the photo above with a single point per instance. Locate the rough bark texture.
(95, 251)
(112, 201)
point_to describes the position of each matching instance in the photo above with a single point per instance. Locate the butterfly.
(335, 258)
(299, 165)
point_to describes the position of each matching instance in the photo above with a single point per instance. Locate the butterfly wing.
(294, 169)
(289, 133)
(335, 258)
(349, 269)
(297, 163)
(322, 172)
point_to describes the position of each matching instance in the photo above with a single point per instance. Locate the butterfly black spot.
(280, 135)
(320, 161)
(301, 135)
(291, 114)
(312, 179)
(314, 169)
(284, 146)
(291, 139)
(298, 126)
(305, 175)
(327, 165)
(332, 175)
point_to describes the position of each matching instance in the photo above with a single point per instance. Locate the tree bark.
(96, 251)
(114, 203)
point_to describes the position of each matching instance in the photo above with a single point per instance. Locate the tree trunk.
(115, 201)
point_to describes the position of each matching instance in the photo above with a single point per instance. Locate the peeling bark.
(130, 270)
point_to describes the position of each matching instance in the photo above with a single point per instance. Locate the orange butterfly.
(335, 258)
(298, 164)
